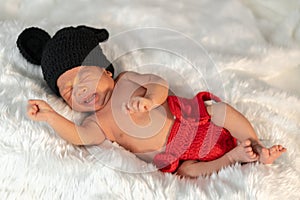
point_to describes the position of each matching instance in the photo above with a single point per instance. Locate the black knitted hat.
(70, 47)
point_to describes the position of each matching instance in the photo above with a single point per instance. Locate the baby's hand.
(38, 110)
(139, 104)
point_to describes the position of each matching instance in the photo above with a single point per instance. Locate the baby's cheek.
(71, 103)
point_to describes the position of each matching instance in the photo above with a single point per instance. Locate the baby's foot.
(269, 155)
(243, 153)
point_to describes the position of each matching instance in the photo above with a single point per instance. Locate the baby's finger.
(143, 107)
(35, 108)
(30, 108)
(34, 102)
(39, 103)
(31, 112)
(128, 107)
(146, 105)
(135, 104)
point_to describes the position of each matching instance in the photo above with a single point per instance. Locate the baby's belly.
(150, 135)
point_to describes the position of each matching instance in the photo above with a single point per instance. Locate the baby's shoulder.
(131, 75)
(92, 117)
(120, 75)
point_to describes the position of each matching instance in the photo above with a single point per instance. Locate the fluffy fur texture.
(255, 49)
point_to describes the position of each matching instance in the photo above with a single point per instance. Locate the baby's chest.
(138, 131)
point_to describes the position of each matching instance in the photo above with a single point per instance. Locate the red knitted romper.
(193, 136)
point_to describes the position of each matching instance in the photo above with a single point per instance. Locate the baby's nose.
(81, 91)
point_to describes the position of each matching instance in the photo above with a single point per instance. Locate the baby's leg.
(224, 115)
(238, 125)
(242, 153)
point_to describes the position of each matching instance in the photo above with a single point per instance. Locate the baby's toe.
(281, 148)
(251, 154)
(248, 149)
(274, 149)
(254, 155)
(246, 143)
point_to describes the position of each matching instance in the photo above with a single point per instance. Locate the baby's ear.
(101, 34)
(111, 69)
(31, 43)
(109, 73)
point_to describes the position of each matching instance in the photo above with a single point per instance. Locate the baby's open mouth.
(89, 99)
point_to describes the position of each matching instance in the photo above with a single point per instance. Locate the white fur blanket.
(253, 64)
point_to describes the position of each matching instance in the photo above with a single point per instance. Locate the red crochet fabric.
(193, 136)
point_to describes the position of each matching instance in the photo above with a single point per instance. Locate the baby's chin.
(86, 110)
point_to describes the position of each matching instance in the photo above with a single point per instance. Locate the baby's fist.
(139, 104)
(38, 110)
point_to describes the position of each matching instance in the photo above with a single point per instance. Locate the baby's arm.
(156, 94)
(88, 133)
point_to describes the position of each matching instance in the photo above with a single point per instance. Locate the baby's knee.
(217, 109)
(218, 112)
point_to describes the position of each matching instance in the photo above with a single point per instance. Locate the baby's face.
(86, 88)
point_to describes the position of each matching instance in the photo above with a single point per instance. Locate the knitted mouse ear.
(101, 34)
(31, 43)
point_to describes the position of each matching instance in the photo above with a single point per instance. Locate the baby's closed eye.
(67, 92)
